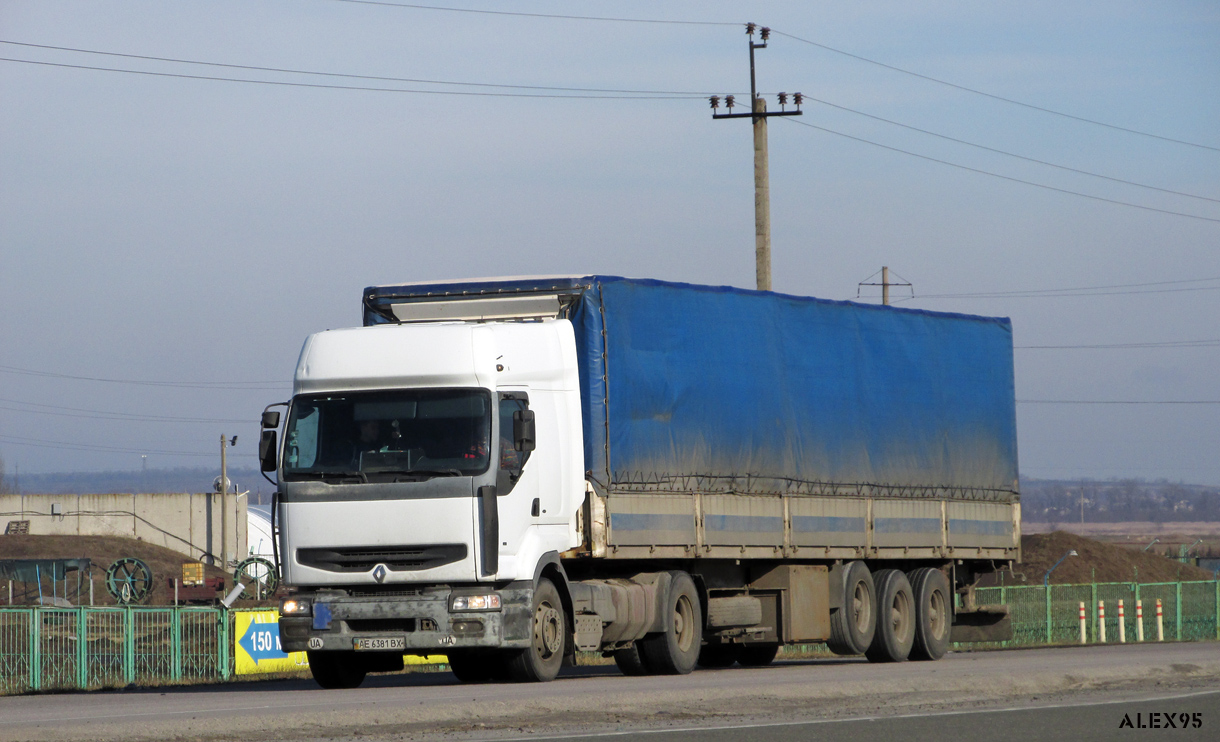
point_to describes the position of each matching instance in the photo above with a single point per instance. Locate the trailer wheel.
(895, 618)
(758, 655)
(675, 650)
(540, 662)
(719, 655)
(336, 669)
(853, 623)
(932, 614)
(630, 661)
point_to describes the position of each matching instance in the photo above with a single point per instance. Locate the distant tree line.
(1050, 501)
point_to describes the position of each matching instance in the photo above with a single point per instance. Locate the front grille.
(395, 558)
(384, 591)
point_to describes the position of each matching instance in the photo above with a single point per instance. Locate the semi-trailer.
(508, 471)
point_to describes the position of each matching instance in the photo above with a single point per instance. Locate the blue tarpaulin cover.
(704, 388)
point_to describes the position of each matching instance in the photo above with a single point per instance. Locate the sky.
(188, 234)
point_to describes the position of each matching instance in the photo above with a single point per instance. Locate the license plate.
(381, 644)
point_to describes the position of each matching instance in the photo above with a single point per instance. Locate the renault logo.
(379, 573)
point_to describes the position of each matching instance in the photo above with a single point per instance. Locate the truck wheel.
(336, 669)
(895, 618)
(630, 661)
(675, 650)
(853, 623)
(930, 588)
(719, 655)
(758, 655)
(541, 661)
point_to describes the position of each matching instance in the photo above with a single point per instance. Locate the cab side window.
(511, 460)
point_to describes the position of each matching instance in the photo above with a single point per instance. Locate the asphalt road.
(1064, 693)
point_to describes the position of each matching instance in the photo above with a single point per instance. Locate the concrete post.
(762, 200)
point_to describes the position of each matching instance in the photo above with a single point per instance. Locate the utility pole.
(885, 285)
(762, 189)
(223, 488)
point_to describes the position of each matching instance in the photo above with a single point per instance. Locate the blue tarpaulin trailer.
(719, 419)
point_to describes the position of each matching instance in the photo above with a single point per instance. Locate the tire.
(853, 623)
(758, 655)
(675, 651)
(334, 670)
(540, 662)
(933, 616)
(719, 655)
(630, 661)
(895, 634)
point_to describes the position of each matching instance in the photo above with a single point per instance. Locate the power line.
(175, 60)
(65, 445)
(1167, 344)
(1088, 288)
(1120, 401)
(106, 415)
(1010, 154)
(1007, 177)
(362, 88)
(240, 385)
(558, 16)
(994, 96)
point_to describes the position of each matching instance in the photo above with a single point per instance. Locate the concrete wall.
(187, 523)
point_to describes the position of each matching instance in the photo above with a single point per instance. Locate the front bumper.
(423, 619)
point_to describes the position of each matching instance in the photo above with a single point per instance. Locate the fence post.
(1082, 624)
(1178, 615)
(1217, 584)
(82, 648)
(1048, 614)
(129, 647)
(175, 638)
(1004, 601)
(224, 644)
(1093, 606)
(35, 649)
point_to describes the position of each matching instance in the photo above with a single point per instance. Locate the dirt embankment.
(1096, 560)
(103, 551)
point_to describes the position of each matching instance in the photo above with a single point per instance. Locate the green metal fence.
(77, 648)
(1190, 611)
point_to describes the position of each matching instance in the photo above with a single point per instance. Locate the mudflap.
(991, 623)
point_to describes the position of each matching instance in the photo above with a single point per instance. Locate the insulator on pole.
(797, 98)
(728, 101)
(750, 29)
(715, 101)
(764, 32)
(783, 98)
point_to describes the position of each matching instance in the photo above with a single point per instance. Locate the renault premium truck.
(507, 471)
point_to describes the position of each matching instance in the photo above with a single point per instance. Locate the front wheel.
(541, 661)
(675, 650)
(333, 670)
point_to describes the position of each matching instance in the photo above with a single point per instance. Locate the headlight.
(295, 607)
(488, 602)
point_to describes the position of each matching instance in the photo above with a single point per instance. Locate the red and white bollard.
(1083, 625)
(1139, 620)
(1101, 621)
(1122, 628)
(1160, 622)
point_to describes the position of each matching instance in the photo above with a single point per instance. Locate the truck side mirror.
(523, 430)
(267, 447)
(271, 419)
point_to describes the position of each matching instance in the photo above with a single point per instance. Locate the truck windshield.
(387, 436)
